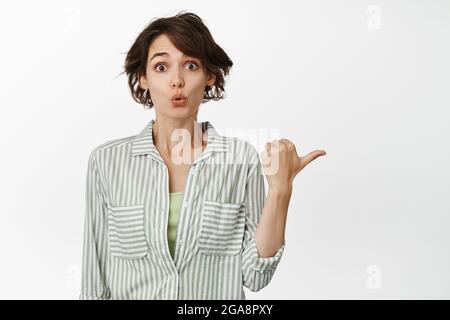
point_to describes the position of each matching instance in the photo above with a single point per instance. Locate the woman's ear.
(142, 82)
(211, 80)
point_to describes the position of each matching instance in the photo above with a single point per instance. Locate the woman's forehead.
(163, 46)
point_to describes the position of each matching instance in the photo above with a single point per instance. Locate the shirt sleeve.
(93, 280)
(257, 271)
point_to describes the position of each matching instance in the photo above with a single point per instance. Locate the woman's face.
(169, 72)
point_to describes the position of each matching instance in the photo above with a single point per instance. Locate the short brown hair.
(189, 34)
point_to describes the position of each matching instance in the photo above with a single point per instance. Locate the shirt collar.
(143, 142)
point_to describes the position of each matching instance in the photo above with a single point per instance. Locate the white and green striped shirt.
(125, 251)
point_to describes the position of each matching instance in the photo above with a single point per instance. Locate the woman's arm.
(281, 164)
(257, 271)
(93, 280)
(271, 229)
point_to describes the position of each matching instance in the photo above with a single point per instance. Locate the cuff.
(265, 264)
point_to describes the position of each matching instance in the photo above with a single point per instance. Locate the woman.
(179, 211)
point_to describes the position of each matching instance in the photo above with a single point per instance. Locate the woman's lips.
(179, 102)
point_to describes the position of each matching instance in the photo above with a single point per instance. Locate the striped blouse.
(125, 248)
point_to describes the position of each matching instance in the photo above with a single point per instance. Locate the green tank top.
(176, 199)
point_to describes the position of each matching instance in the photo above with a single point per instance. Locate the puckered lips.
(178, 100)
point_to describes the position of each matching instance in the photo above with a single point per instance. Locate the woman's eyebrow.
(165, 54)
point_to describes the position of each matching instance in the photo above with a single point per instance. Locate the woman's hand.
(281, 163)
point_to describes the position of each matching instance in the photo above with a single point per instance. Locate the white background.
(367, 81)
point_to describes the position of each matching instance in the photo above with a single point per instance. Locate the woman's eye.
(157, 66)
(194, 64)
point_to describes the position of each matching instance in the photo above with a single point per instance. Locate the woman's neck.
(173, 137)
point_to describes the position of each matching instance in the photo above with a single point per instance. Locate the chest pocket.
(221, 228)
(126, 231)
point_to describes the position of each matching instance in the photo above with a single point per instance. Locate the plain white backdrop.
(367, 81)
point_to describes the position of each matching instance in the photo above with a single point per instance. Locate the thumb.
(305, 160)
